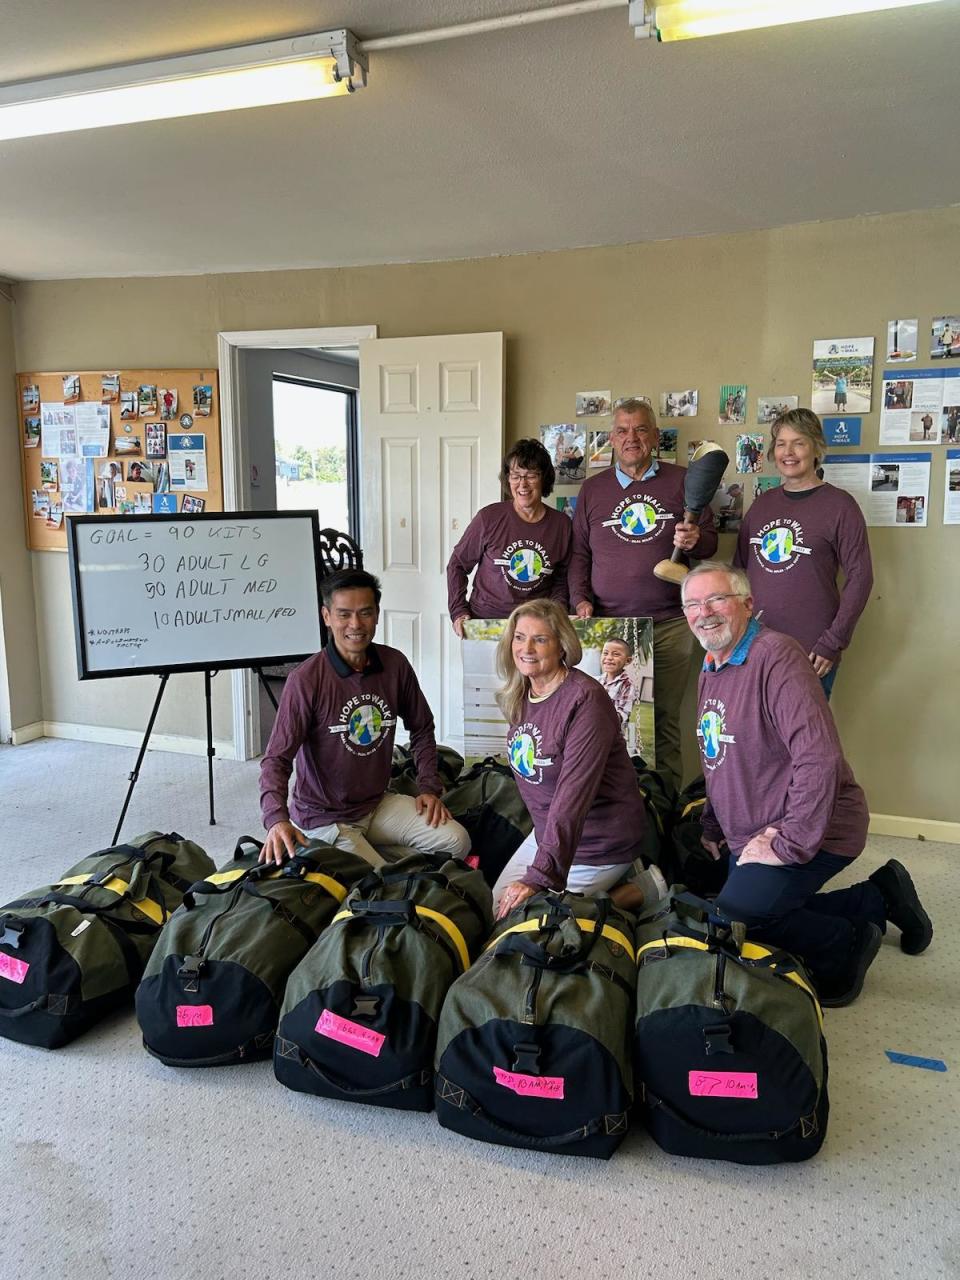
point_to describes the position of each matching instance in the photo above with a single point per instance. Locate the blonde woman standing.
(571, 765)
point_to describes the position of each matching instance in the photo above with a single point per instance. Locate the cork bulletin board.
(109, 442)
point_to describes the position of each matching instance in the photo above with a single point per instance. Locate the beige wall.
(637, 318)
(20, 692)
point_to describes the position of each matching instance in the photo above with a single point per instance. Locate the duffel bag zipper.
(205, 938)
(530, 1004)
(720, 997)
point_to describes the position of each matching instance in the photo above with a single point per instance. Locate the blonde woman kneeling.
(571, 765)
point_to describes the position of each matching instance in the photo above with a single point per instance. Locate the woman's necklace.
(551, 688)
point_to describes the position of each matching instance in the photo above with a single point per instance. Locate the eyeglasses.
(697, 606)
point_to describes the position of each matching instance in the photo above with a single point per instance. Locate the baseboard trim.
(225, 750)
(891, 824)
(27, 733)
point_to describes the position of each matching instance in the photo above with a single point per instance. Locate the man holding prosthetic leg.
(783, 799)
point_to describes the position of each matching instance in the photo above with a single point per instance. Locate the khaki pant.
(395, 828)
(674, 648)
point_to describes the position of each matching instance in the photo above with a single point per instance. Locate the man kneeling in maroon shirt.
(783, 798)
(337, 719)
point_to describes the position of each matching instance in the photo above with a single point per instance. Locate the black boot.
(844, 989)
(903, 907)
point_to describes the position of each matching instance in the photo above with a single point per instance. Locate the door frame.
(246, 710)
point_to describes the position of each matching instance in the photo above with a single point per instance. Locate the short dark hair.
(349, 580)
(531, 456)
(620, 640)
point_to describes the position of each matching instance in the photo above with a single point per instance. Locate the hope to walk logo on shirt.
(363, 724)
(638, 519)
(778, 545)
(525, 750)
(523, 564)
(711, 733)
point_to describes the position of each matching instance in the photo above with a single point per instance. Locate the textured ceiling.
(550, 136)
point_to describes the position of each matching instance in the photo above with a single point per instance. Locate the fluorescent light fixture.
(687, 19)
(323, 65)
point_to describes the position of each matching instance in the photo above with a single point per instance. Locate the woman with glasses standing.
(571, 765)
(519, 547)
(794, 541)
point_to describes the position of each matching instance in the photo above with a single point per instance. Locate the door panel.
(431, 444)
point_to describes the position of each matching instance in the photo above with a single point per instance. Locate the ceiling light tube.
(325, 64)
(687, 19)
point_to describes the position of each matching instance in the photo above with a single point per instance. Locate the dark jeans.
(781, 906)
(826, 682)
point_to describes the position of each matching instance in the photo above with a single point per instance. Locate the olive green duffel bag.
(534, 1042)
(212, 991)
(72, 951)
(359, 1019)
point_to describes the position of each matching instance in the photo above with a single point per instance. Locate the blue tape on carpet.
(908, 1060)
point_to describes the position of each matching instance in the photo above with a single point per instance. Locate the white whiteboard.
(191, 593)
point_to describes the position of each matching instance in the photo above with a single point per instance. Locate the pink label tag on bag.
(530, 1086)
(12, 968)
(723, 1084)
(352, 1034)
(194, 1015)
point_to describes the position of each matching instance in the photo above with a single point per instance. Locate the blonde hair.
(805, 423)
(510, 697)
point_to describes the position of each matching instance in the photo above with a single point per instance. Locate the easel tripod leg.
(143, 751)
(207, 677)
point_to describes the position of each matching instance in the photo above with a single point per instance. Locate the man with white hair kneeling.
(783, 799)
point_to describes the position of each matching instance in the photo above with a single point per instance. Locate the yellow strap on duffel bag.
(153, 910)
(585, 925)
(749, 951)
(445, 923)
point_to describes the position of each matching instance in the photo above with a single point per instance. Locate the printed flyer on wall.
(951, 488)
(892, 489)
(188, 461)
(921, 408)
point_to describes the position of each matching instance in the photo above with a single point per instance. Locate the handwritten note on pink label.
(194, 1015)
(352, 1034)
(12, 968)
(723, 1084)
(530, 1086)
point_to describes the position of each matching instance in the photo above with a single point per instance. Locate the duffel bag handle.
(24, 1009)
(588, 1130)
(407, 1082)
(557, 915)
(238, 851)
(390, 911)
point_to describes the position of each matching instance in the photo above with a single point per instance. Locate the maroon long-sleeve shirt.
(792, 546)
(576, 780)
(771, 754)
(339, 725)
(619, 534)
(515, 561)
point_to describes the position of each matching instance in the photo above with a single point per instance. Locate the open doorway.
(248, 452)
(315, 451)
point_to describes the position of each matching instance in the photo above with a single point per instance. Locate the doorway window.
(315, 443)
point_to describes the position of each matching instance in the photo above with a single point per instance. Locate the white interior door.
(431, 444)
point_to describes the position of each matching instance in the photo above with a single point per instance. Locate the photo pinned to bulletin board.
(103, 441)
(842, 375)
(770, 408)
(902, 341)
(592, 403)
(566, 443)
(679, 404)
(733, 403)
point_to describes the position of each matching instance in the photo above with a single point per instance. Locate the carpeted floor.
(117, 1167)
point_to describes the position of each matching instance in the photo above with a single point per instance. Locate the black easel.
(211, 751)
